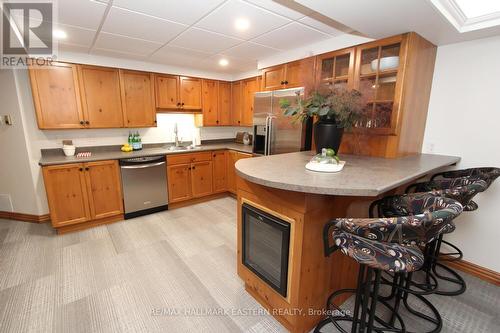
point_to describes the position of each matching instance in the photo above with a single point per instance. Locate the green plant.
(343, 106)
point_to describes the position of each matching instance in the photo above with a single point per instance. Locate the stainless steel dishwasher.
(144, 182)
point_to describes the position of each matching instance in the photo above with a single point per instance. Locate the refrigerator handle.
(266, 138)
(270, 135)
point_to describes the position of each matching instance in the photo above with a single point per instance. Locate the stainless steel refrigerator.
(273, 132)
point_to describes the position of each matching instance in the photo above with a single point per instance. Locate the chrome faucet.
(176, 135)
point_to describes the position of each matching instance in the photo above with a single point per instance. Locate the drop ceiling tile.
(119, 43)
(81, 13)
(75, 35)
(291, 36)
(178, 56)
(222, 20)
(250, 51)
(321, 26)
(204, 41)
(235, 64)
(117, 54)
(132, 24)
(72, 48)
(182, 11)
(280, 9)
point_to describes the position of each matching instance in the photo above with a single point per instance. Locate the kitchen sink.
(181, 148)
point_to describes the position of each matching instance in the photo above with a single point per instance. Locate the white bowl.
(69, 150)
(386, 63)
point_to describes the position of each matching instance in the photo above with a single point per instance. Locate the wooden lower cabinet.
(67, 194)
(104, 186)
(83, 192)
(219, 171)
(232, 158)
(195, 175)
(179, 182)
(201, 179)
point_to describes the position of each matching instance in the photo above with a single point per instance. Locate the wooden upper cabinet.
(219, 171)
(336, 69)
(101, 101)
(104, 186)
(210, 93)
(236, 102)
(167, 91)
(273, 77)
(250, 87)
(201, 179)
(56, 95)
(298, 73)
(67, 194)
(190, 93)
(138, 102)
(224, 103)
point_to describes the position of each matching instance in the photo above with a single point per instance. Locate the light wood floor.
(127, 276)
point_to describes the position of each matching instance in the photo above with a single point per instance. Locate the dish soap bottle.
(139, 141)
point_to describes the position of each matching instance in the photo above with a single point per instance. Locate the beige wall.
(17, 189)
(464, 120)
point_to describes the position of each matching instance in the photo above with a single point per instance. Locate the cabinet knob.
(216, 121)
(87, 169)
(194, 168)
(82, 122)
(286, 82)
(80, 169)
(182, 103)
(282, 82)
(178, 104)
(87, 122)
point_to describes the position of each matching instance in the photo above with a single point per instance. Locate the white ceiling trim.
(452, 12)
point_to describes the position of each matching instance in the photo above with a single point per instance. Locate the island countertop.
(361, 176)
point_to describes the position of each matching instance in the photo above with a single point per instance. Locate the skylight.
(470, 15)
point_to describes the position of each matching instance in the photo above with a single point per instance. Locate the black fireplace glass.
(266, 241)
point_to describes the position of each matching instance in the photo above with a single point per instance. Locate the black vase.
(327, 135)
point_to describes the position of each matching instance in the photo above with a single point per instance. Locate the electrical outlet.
(8, 120)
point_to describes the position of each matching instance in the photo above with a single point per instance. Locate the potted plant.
(336, 109)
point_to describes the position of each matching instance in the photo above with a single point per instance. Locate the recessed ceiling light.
(59, 34)
(223, 62)
(242, 24)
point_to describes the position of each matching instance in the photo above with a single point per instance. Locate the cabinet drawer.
(189, 158)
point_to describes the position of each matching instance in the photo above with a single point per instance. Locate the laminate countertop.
(361, 176)
(56, 156)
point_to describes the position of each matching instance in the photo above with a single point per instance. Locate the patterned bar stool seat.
(463, 190)
(428, 216)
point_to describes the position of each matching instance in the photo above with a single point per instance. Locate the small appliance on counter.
(243, 138)
(68, 148)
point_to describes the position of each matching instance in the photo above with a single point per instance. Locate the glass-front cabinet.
(336, 69)
(378, 76)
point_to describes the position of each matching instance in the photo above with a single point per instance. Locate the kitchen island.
(282, 208)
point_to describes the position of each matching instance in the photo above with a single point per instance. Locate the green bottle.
(130, 138)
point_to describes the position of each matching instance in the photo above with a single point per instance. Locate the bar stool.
(373, 257)
(463, 190)
(427, 216)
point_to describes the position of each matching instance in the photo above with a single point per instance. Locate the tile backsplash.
(164, 132)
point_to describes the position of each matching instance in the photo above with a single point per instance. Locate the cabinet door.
(273, 78)
(104, 188)
(66, 194)
(56, 95)
(100, 88)
(167, 92)
(335, 69)
(179, 182)
(231, 158)
(224, 103)
(201, 179)
(190, 93)
(219, 171)
(138, 99)
(250, 87)
(210, 103)
(300, 73)
(236, 102)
